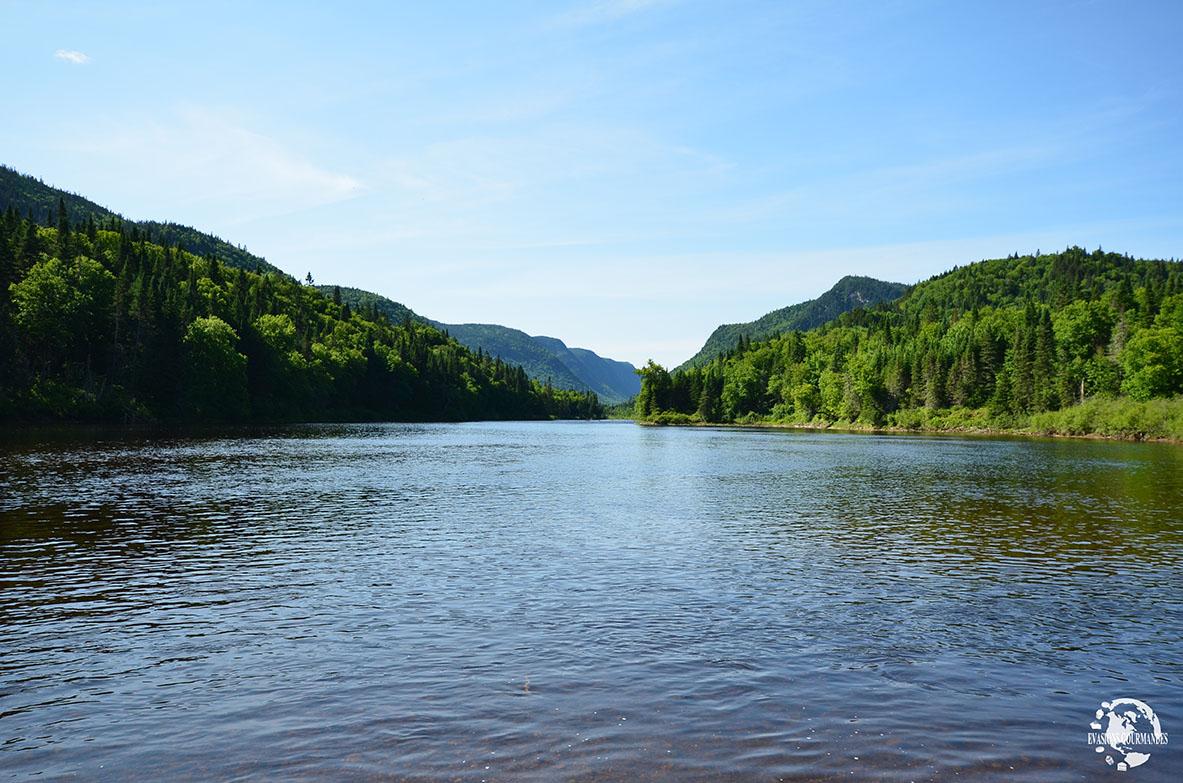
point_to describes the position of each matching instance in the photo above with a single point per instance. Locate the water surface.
(582, 601)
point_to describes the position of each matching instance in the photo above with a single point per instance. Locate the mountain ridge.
(514, 345)
(849, 293)
(31, 195)
(97, 323)
(1067, 343)
(27, 193)
(611, 379)
(543, 358)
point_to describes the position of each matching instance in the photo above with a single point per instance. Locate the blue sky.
(622, 174)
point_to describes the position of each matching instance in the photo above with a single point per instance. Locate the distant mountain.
(516, 347)
(97, 323)
(847, 294)
(614, 381)
(567, 368)
(27, 193)
(543, 358)
(549, 358)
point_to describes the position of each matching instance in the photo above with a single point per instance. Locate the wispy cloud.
(222, 171)
(72, 55)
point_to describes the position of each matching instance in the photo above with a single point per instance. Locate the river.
(591, 601)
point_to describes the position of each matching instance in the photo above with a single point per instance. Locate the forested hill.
(97, 322)
(612, 380)
(362, 300)
(510, 345)
(543, 358)
(514, 345)
(34, 199)
(847, 294)
(1071, 342)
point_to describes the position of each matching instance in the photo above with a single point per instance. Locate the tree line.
(1007, 339)
(103, 320)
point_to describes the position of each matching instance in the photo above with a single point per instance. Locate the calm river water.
(583, 601)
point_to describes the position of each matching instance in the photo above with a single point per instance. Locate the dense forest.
(1071, 342)
(847, 294)
(26, 193)
(610, 379)
(106, 320)
(519, 348)
(543, 358)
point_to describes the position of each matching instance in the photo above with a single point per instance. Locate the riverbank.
(1108, 418)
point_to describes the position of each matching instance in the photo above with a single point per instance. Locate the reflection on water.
(573, 601)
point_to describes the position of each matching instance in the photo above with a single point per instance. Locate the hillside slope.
(613, 381)
(30, 195)
(847, 294)
(1070, 343)
(516, 347)
(98, 323)
(543, 358)
(363, 301)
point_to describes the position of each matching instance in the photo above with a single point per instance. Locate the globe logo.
(1126, 730)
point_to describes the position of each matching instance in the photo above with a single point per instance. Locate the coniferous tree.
(63, 243)
(1022, 380)
(1046, 388)
(710, 401)
(934, 384)
(1002, 401)
(963, 380)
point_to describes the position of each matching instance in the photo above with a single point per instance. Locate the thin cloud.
(74, 56)
(226, 174)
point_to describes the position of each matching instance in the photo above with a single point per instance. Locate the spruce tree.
(7, 262)
(30, 250)
(1047, 393)
(1021, 371)
(934, 384)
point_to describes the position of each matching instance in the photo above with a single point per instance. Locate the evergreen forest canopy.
(847, 294)
(545, 359)
(104, 320)
(1071, 342)
(40, 202)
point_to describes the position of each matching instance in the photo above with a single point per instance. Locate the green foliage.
(59, 306)
(666, 418)
(1153, 363)
(656, 391)
(370, 304)
(1002, 344)
(125, 328)
(215, 383)
(26, 193)
(576, 369)
(1115, 417)
(516, 347)
(848, 293)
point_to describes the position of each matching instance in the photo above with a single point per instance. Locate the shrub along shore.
(1111, 418)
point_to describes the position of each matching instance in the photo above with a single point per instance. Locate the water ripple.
(572, 601)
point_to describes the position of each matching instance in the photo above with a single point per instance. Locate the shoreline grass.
(1108, 418)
